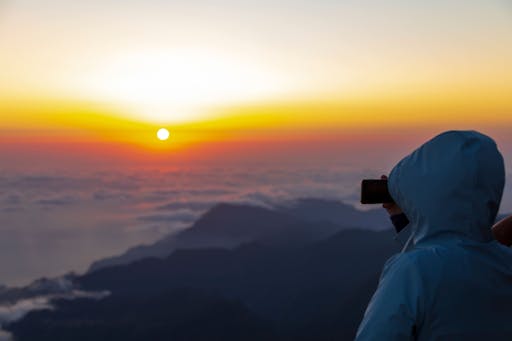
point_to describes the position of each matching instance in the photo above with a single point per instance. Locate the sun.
(163, 134)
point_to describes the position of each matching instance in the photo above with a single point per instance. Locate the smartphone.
(375, 192)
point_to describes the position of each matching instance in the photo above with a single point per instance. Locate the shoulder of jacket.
(409, 260)
(411, 256)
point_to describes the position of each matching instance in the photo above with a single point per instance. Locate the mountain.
(317, 290)
(229, 225)
(38, 288)
(224, 225)
(336, 212)
(181, 314)
(292, 273)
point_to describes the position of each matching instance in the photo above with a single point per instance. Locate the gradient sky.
(265, 100)
(183, 61)
(283, 79)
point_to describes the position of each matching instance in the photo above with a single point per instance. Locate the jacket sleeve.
(395, 309)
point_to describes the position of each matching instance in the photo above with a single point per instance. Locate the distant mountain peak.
(230, 224)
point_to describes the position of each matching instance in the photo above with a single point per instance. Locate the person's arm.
(502, 231)
(398, 218)
(396, 306)
(391, 207)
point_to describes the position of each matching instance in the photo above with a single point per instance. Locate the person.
(455, 282)
(502, 230)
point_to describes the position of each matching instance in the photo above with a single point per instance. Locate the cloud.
(191, 205)
(183, 216)
(10, 209)
(13, 312)
(4, 336)
(46, 182)
(62, 201)
(103, 195)
(185, 193)
(11, 202)
(12, 199)
(51, 224)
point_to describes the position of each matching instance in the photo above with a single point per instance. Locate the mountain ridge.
(286, 291)
(230, 224)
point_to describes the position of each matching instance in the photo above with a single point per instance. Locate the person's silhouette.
(455, 282)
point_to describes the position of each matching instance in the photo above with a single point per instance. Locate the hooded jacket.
(455, 283)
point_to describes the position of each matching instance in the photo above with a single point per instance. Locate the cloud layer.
(51, 224)
(61, 288)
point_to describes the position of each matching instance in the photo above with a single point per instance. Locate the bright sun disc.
(163, 134)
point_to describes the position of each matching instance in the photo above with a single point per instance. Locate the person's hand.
(502, 231)
(391, 207)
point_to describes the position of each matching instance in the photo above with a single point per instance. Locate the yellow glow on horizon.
(64, 121)
(259, 119)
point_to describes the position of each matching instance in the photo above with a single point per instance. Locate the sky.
(353, 62)
(321, 93)
(100, 77)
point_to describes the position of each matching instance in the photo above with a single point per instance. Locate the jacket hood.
(450, 186)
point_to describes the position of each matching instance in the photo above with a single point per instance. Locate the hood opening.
(450, 186)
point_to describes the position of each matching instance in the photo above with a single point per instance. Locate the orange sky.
(261, 76)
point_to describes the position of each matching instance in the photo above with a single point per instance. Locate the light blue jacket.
(455, 283)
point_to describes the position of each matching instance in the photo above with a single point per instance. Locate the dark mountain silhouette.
(229, 225)
(296, 272)
(181, 314)
(317, 290)
(224, 225)
(40, 287)
(336, 212)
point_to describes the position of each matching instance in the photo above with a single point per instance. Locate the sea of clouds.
(51, 223)
(14, 311)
